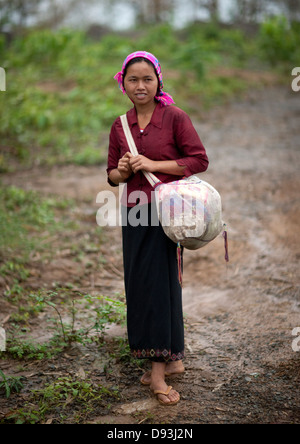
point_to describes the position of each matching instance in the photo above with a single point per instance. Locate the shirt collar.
(156, 118)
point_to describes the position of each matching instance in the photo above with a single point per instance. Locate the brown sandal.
(160, 392)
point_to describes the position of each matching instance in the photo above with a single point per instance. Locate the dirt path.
(240, 365)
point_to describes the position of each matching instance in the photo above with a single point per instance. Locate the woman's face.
(141, 83)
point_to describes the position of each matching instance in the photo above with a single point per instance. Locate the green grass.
(27, 220)
(65, 395)
(61, 98)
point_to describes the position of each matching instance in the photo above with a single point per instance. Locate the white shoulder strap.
(129, 138)
(152, 179)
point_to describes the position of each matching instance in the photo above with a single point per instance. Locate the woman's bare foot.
(146, 378)
(166, 395)
(172, 368)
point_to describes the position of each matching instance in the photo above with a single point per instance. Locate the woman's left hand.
(140, 162)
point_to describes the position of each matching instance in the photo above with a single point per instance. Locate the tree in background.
(17, 14)
(156, 11)
(290, 8)
(248, 11)
(251, 11)
(212, 6)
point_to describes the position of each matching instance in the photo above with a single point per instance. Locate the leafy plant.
(21, 213)
(27, 349)
(57, 111)
(44, 299)
(280, 41)
(109, 311)
(61, 393)
(103, 312)
(10, 384)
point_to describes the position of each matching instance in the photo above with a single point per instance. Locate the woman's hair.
(139, 60)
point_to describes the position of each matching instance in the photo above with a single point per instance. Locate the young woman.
(170, 147)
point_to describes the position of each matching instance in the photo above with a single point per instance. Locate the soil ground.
(242, 360)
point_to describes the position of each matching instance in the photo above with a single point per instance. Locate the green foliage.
(108, 311)
(23, 214)
(61, 98)
(280, 41)
(65, 387)
(44, 47)
(103, 312)
(83, 396)
(10, 384)
(161, 40)
(28, 350)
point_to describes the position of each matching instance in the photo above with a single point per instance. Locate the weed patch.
(81, 397)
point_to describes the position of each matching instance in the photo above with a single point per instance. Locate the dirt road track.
(245, 312)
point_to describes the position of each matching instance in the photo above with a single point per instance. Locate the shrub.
(279, 41)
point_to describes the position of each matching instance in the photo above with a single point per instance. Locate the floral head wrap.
(162, 97)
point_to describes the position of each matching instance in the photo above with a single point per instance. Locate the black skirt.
(153, 292)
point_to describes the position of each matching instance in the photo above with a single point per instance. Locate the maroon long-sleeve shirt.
(170, 135)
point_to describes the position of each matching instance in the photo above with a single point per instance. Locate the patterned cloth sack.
(190, 209)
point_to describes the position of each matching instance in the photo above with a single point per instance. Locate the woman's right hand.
(124, 167)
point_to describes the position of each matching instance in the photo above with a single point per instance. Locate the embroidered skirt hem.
(157, 355)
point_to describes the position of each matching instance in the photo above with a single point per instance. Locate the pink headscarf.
(162, 97)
